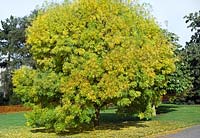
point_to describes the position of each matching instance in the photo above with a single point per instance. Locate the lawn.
(11, 120)
(170, 118)
(187, 114)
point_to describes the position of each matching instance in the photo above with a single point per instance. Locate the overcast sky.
(170, 11)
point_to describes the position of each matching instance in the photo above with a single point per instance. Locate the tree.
(90, 54)
(180, 82)
(192, 53)
(193, 19)
(13, 51)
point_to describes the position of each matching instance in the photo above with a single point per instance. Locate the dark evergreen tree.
(13, 52)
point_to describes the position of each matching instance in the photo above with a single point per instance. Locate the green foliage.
(192, 54)
(180, 82)
(181, 78)
(193, 19)
(90, 54)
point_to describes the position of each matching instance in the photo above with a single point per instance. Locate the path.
(193, 132)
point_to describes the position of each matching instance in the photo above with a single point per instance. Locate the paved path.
(193, 132)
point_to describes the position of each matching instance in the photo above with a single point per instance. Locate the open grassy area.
(187, 114)
(12, 120)
(169, 118)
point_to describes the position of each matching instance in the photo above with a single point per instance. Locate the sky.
(168, 13)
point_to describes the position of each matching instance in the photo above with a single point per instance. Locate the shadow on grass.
(116, 122)
(108, 121)
(111, 121)
(163, 109)
(42, 130)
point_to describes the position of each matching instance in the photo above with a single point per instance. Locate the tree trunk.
(154, 110)
(7, 77)
(6, 87)
(97, 115)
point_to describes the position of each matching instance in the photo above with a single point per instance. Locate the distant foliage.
(90, 54)
(192, 54)
(179, 82)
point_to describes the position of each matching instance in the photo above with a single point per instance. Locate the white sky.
(171, 11)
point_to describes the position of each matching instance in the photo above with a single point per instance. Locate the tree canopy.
(90, 54)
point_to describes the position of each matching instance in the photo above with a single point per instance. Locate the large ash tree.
(90, 54)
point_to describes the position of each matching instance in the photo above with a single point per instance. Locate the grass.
(169, 118)
(188, 114)
(11, 120)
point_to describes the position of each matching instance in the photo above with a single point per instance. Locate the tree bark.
(97, 115)
(6, 77)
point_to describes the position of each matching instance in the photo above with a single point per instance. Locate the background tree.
(192, 52)
(180, 82)
(90, 54)
(13, 51)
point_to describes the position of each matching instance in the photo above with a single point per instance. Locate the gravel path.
(193, 132)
